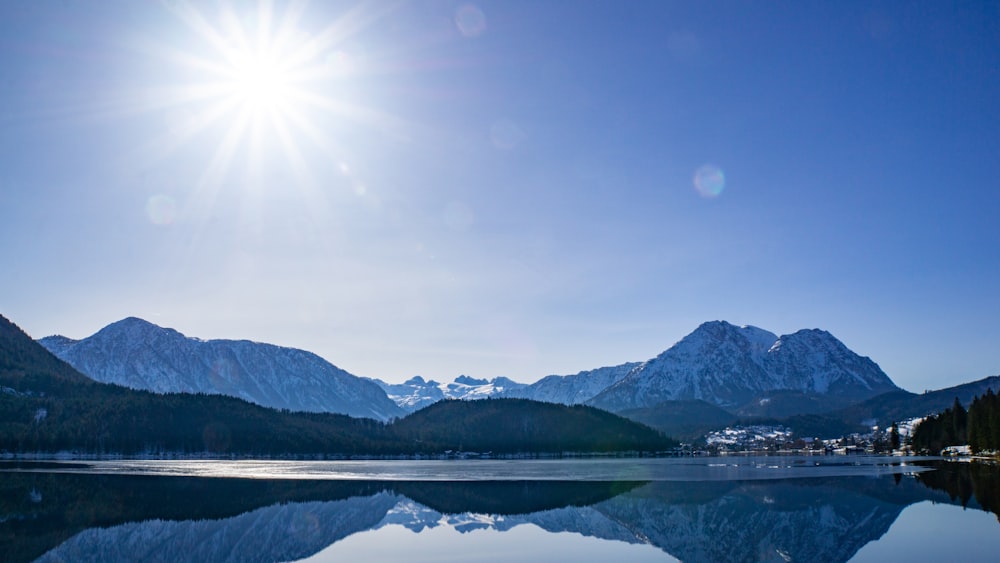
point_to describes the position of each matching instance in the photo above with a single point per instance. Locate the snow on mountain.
(583, 520)
(720, 363)
(813, 360)
(281, 532)
(574, 389)
(413, 394)
(728, 365)
(812, 520)
(417, 393)
(141, 355)
(754, 521)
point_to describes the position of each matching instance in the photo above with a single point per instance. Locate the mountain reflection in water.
(86, 517)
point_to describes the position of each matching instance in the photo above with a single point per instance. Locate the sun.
(263, 81)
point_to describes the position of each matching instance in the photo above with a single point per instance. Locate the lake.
(808, 508)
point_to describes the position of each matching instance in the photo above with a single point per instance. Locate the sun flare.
(264, 81)
(261, 82)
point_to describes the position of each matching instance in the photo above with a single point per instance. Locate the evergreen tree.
(976, 425)
(992, 425)
(959, 424)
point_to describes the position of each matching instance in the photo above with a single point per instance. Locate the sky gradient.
(507, 188)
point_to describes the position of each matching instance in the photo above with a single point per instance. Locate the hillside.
(141, 355)
(46, 407)
(730, 366)
(682, 419)
(508, 425)
(900, 405)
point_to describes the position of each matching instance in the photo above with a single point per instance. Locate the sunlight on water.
(709, 181)
(446, 543)
(450, 512)
(601, 469)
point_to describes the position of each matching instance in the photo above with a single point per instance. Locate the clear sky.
(507, 188)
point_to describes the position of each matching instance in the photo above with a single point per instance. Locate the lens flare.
(471, 21)
(161, 209)
(339, 63)
(709, 181)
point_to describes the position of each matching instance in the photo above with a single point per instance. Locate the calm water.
(700, 509)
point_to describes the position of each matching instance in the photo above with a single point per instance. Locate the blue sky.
(507, 188)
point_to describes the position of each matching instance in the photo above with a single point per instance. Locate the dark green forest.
(46, 406)
(979, 427)
(984, 423)
(65, 504)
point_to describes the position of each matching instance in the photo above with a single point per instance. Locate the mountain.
(27, 368)
(141, 355)
(729, 366)
(750, 372)
(57, 516)
(284, 532)
(682, 419)
(509, 426)
(727, 524)
(417, 393)
(47, 407)
(901, 405)
(574, 389)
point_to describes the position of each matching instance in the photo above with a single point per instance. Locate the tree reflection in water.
(59, 517)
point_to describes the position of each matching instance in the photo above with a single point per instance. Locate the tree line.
(979, 427)
(47, 406)
(123, 421)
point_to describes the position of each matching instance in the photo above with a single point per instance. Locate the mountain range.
(819, 519)
(46, 407)
(416, 393)
(138, 354)
(716, 375)
(729, 366)
(741, 369)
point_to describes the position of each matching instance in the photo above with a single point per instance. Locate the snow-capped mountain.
(754, 521)
(766, 520)
(280, 532)
(574, 389)
(728, 366)
(141, 355)
(417, 392)
(719, 363)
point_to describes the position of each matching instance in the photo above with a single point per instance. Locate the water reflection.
(87, 517)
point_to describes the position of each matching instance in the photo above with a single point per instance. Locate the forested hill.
(27, 366)
(502, 425)
(46, 406)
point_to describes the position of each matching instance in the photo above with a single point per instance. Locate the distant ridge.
(900, 405)
(728, 366)
(417, 392)
(46, 407)
(746, 370)
(141, 355)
